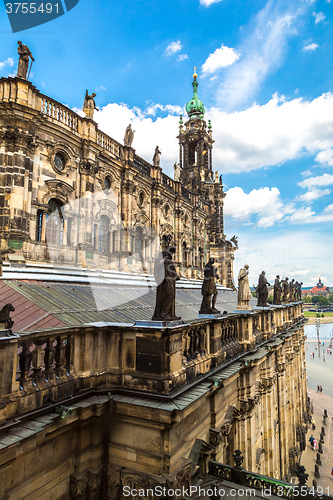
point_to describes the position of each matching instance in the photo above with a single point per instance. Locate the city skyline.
(266, 85)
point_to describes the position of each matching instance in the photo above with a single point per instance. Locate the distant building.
(319, 289)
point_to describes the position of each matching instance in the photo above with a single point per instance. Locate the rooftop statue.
(208, 289)
(285, 290)
(23, 64)
(165, 276)
(4, 252)
(292, 290)
(299, 291)
(6, 322)
(129, 136)
(277, 291)
(89, 105)
(262, 290)
(244, 292)
(156, 157)
(176, 172)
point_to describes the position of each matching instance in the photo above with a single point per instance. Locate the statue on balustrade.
(89, 105)
(277, 291)
(299, 291)
(176, 172)
(165, 276)
(208, 289)
(6, 321)
(156, 157)
(25, 56)
(244, 292)
(129, 136)
(285, 290)
(4, 252)
(292, 290)
(262, 290)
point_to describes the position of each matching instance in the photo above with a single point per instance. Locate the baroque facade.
(93, 412)
(70, 194)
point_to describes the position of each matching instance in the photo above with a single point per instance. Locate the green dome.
(194, 107)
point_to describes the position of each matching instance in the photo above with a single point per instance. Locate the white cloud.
(8, 62)
(313, 194)
(308, 216)
(319, 16)
(221, 58)
(273, 133)
(173, 48)
(320, 180)
(207, 3)
(325, 157)
(263, 49)
(265, 203)
(182, 57)
(306, 173)
(310, 47)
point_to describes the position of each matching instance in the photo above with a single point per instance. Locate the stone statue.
(208, 289)
(89, 105)
(129, 136)
(262, 290)
(5, 318)
(25, 56)
(156, 157)
(299, 291)
(216, 177)
(277, 291)
(176, 170)
(3, 252)
(244, 292)
(292, 286)
(165, 276)
(202, 175)
(285, 290)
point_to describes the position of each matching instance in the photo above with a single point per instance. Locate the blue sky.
(265, 77)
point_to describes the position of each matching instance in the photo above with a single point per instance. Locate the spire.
(195, 108)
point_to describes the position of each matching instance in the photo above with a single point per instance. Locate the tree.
(307, 300)
(330, 298)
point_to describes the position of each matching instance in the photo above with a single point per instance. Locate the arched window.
(103, 235)
(54, 223)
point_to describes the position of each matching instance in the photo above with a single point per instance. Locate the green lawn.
(310, 314)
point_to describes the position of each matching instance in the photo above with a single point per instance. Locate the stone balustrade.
(59, 363)
(57, 111)
(107, 143)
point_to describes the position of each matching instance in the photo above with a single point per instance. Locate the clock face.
(59, 161)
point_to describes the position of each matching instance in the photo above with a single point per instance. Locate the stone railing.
(142, 165)
(59, 112)
(64, 362)
(168, 182)
(248, 482)
(107, 143)
(186, 193)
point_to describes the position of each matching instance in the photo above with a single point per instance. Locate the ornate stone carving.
(141, 219)
(215, 437)
(78, 486)
(246, 406)
(58, 189)
(266, 383)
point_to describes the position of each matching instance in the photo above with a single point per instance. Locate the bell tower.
(195, 143)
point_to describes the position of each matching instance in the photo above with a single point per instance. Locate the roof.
(47, 297)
